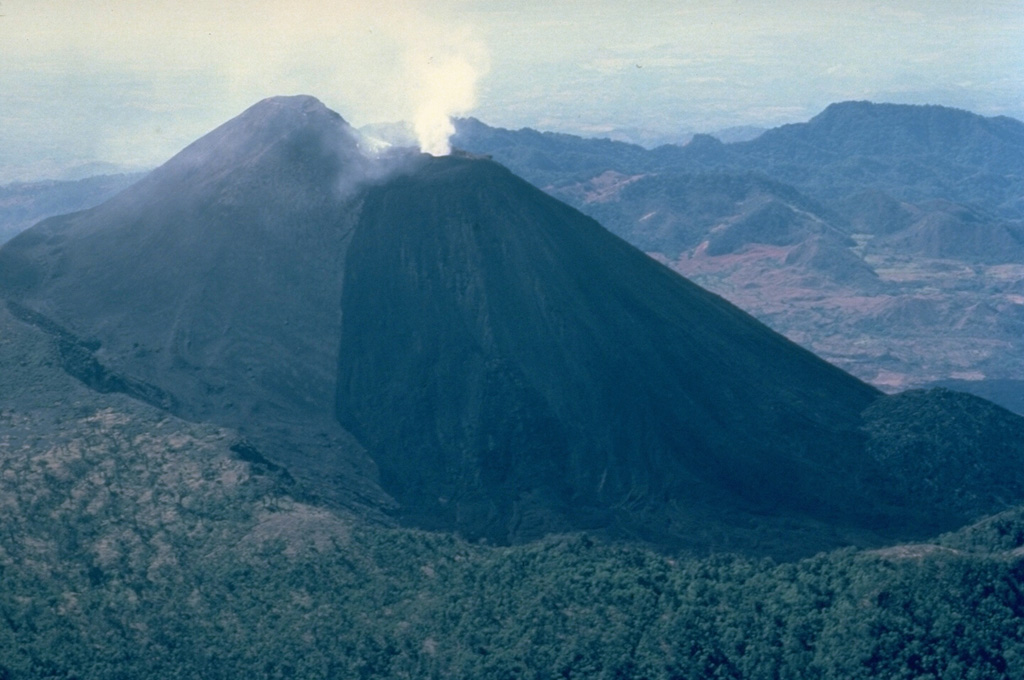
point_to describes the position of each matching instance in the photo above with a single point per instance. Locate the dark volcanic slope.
(496, 341)
(218, 279)
(211, 257)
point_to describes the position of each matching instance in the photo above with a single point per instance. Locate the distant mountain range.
(887, 238)
(22, 204)
(911, 152)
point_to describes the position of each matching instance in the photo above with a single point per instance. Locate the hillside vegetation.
(151, 552)
(136, 544)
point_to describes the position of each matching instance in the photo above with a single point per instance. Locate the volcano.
(437, 341)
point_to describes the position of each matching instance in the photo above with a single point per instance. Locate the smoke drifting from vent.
(443, 80)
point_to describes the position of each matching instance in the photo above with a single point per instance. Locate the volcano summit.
(435, 340)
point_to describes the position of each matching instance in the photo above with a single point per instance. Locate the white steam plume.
(443, 80)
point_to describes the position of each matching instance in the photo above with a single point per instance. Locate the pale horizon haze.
(131, 83)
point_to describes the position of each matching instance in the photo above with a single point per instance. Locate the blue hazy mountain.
(22, 204)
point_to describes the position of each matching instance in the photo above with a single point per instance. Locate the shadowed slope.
(501, 351)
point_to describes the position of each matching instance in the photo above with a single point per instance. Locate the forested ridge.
(405, 604)
(143, 547)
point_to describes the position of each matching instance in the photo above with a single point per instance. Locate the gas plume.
(443, 79)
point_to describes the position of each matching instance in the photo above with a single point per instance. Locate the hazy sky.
(129, 81)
